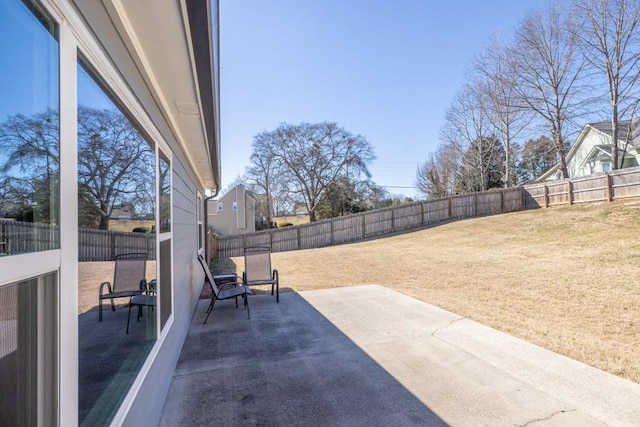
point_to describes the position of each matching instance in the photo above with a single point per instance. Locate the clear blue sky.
(386, 70)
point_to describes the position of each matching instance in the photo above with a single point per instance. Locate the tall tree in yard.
(263, 174)
(498, 85)
(537, 157)
(310, 156)
(551, 70)
(609, 36)
(465, 124)
(482, 166)
(436, 176)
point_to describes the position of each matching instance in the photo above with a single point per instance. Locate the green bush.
(141, 230)
(285, 224)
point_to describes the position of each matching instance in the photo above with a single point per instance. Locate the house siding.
(90, 28)
(187, 284)
(592, 139)
(230, 222)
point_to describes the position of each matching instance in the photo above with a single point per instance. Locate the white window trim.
(74, 37)
(202, 233)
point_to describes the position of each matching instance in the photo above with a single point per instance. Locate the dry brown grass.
(562, 278)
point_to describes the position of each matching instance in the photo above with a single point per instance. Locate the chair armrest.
(102, 285)
(274, 275)
(228, 285)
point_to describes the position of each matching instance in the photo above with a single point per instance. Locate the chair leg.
(213, 301)
(128, 319)
(113, 305)
(246, 303)
(100, 310)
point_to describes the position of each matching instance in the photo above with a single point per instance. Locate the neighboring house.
(155, 65)
(591, 152)
(121, 213)
(234, 213)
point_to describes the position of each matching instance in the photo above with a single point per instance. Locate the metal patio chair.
(128, 279)
(258, 271)
(226, 290)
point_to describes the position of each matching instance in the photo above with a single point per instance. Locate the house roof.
(602, 153)
(623, 129)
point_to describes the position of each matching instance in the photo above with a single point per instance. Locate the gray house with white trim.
(104, 103)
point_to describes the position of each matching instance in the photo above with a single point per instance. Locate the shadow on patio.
(288, 365)
(368, 355)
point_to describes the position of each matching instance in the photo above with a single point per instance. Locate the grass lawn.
(563, 278)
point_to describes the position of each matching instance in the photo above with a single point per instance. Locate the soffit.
(158, 37)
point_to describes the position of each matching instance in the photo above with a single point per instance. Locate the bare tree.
(29, 171)
(263, 173)
(309, 157)
(498, 85)
(115, 163)
(550, 69)
(610, 39)
(436, 176)
(465, 124)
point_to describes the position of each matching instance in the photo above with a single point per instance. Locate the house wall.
(230, 221)
(592, 139)
(89, 27)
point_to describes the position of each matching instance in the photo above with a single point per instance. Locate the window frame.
(202, 233)
(34, 265)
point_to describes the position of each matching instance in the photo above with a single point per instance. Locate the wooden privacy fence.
(93, 245)
(372, 223)
(104, 245)
(615, 185)
(21, 237)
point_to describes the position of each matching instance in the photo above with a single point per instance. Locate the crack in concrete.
(536, 420)
(433, 334)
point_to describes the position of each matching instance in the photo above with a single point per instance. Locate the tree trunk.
(614, 138)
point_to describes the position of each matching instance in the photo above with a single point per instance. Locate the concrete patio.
(371, 356)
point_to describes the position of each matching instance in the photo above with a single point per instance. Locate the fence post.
(502, 201)
(422, 213)
(475, 199)
(570, 191)
(299, 238)
(546, 195)
(393, 219)
(113, 246)
(609, 187)
(449, 208)
(331, 237)
(364, 227)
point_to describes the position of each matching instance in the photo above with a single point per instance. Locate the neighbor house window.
(117, 229)
(28, 352)
(29, 130)
(606, 167)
